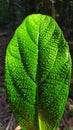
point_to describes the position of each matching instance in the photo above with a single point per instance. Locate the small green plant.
(37, 73)
(0, 125)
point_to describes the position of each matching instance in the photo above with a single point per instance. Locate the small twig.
(10, 121)
(4, 33)
(19, 6)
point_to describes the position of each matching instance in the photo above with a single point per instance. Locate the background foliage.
(14, 11)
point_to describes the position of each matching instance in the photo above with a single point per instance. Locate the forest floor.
(7, 121)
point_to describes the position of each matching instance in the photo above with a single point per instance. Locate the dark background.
(12, 14)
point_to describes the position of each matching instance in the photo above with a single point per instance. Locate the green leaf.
(37, 73)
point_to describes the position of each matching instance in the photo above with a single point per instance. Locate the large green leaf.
(37, 73)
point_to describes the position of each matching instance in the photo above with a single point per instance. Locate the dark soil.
(7, 121)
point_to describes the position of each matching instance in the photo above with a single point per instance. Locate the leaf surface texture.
(37, 73)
